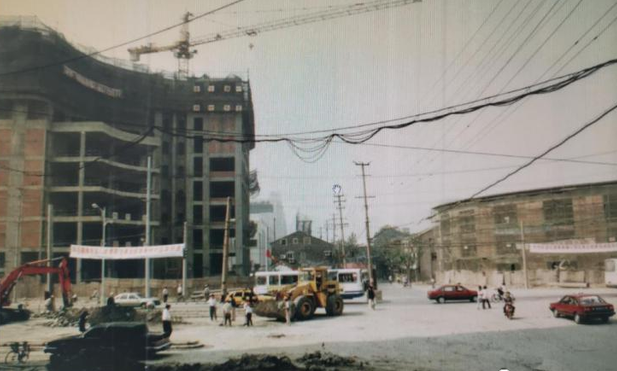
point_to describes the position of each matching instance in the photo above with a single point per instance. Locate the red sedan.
(452, 292)
(582, 307)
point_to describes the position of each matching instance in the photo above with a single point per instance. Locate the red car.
(582, 307)
(452, 292)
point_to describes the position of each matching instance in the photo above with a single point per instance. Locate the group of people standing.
(229, 311)
(179, 297)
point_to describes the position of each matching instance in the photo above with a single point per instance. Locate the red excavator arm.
(35, 268)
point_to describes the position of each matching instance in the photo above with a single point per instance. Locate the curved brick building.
(79, 131)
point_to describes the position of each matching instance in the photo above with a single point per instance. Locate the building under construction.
(479, 241)
(76, 132)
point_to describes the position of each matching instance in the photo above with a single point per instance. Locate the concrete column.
(80, 200)
(14, 189)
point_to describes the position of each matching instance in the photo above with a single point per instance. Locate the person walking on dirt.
(179, 292)
(248, 313)
(166, 317)
(234, 305)
(479, 298)
(206, 292)
(212, 305)
(111, 302)
(165, 294)
(83, 317)
(485, 298)
(370, 294)
(287, 306)
(227, 313)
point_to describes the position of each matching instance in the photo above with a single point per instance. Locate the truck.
(33, 268)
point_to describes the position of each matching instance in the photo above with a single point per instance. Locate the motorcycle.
(508, 310)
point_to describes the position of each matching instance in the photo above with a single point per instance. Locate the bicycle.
(19, 353)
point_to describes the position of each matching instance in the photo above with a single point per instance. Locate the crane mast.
(182, 48)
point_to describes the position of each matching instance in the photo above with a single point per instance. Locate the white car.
(133, 299)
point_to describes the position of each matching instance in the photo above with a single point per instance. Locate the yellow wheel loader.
(313, 290)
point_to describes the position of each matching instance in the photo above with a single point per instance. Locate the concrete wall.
(537, 278)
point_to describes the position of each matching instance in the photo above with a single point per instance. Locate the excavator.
(32, 268)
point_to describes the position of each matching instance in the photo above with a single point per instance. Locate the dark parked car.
(452, 292)
(114, 340)
(582, 307)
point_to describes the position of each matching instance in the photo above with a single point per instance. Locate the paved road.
(406, 332)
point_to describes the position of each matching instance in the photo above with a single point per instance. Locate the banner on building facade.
(572, 248)
(124, 253)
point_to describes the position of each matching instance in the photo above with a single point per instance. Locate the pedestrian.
(49, 304)
(179, 292)
(370, 294)
(83, 317)
(248, 312)
(165, 294)
(95, 295)
(206, 292)
(433, 282)
(234, 305)
(212, 305)
(287, 306)
(390, 279)
(227, 313)
(111, 302)
(479, 298)
(485, 298)
(166, 317)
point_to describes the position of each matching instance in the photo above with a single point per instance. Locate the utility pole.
(148, 206)
(340, 212)
(225, 249)
(185, 233)
(50, 210)
(333, 229)
(368, 232)
(524, 253)
(327, 231)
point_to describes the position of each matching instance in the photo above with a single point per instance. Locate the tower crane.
(182, 48)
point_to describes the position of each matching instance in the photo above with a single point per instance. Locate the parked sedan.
(582, 307)
(133, 299)
(452, 292)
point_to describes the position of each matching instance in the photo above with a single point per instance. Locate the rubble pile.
(318, 360)
(63, 318)
(114, 314)
(257, 363)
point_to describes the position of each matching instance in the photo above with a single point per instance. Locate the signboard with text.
(570, 248)
(124, 253)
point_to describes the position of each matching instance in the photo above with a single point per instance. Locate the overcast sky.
(389, 64)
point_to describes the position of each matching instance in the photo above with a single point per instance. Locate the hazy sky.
(385, 65)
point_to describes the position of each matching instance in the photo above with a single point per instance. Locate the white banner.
(122, 253)
(570, 248)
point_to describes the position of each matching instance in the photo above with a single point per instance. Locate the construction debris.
(64, 318)
(326, 359)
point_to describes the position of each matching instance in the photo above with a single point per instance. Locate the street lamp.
(103, 240)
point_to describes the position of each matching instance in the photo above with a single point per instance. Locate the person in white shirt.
(288, 309)
(166, 317)
(212, 305)
(179, 291)
(227, 313)
(165, 294)
(479, 298)
(485, 298)
(248, 311)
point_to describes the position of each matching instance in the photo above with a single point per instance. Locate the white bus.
(274, 280)
(353, 282)
(610, 272)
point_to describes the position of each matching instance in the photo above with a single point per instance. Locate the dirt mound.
(64, 318)
(326, 359)
(316, 361)
(270, 309)
(114, 314)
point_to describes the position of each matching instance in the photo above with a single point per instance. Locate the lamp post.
(104, 223)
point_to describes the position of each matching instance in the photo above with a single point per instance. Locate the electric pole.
(225, 248)
(368, 232)
(340, 212)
